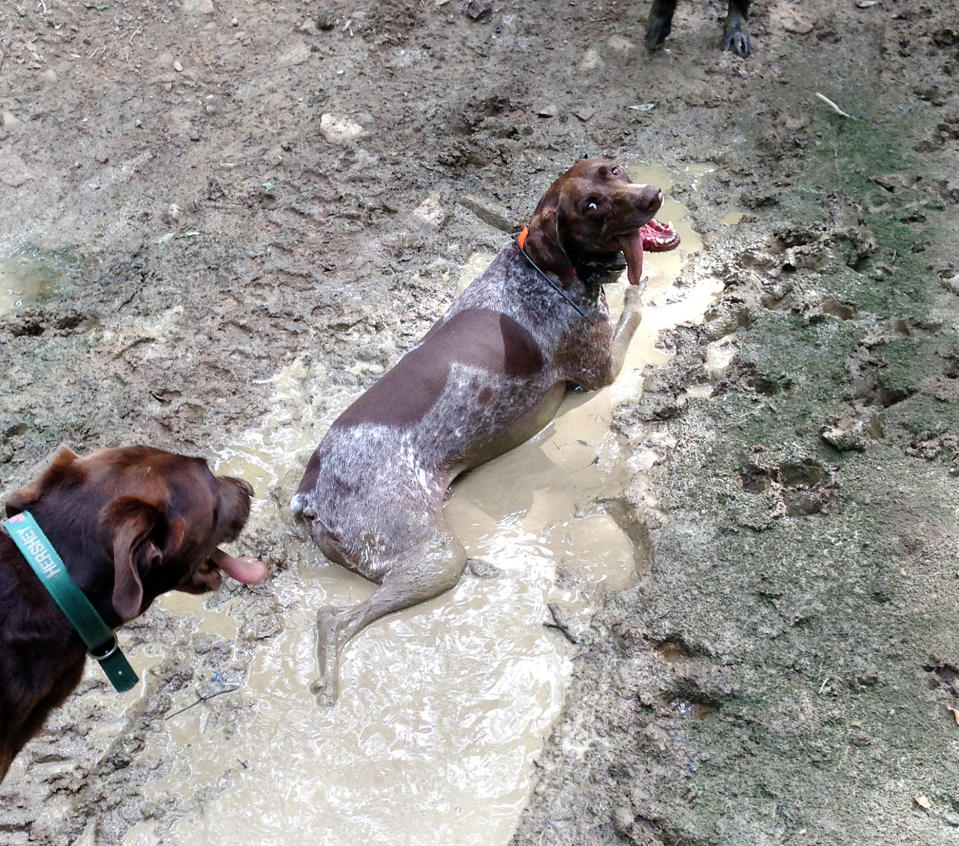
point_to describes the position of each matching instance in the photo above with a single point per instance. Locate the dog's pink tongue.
(249, 570)
(632, 247)
(655, 236)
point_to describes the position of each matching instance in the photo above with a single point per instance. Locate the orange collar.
(521, 243)
(521, 240)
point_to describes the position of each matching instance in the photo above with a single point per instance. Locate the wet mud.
(715, 604)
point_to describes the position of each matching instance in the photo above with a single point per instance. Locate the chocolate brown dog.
(129, 524)
(489, 374)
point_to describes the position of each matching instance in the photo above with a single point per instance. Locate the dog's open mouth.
(248, 570)
(654, 236)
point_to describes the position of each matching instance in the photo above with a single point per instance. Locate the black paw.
(737, 41)
(657, 28)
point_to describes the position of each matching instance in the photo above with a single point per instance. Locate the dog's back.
(481, 381)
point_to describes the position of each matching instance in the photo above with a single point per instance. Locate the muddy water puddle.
(32, 273)
(444, 706)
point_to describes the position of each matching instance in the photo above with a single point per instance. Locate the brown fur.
(129, 525)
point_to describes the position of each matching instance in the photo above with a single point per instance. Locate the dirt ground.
(204, 190)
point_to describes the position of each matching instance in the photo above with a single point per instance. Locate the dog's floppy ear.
(22, 498)
(138, 535)
(544, 243)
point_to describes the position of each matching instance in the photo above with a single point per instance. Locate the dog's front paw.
(325, 692)
(737, 41)
(633, 296)
(658, 26)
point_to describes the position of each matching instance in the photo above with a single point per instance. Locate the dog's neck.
(593, 272)
(18, 579)
(597, 271)
(589, 276)
(87, 564)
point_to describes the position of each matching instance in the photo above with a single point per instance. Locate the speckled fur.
(374, 490)
(382, 485)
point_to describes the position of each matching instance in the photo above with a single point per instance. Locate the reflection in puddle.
(443, 706)
(720, 353)
(732, 218)
(694, 710)
(31, 274)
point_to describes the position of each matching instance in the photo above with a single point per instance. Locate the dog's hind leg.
(427, 571)
(660, 22)
(736, 39)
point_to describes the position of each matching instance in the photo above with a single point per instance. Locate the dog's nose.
(648, 199)
(242, 484)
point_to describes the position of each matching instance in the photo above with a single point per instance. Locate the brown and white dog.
(129, 525)
(487, 376)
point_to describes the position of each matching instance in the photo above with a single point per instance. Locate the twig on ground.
(559, 623)
(202, 699)
(834, 107)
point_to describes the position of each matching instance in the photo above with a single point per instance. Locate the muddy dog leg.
(737, 38)
(659, 23)
(430, 570)
(629, 322)
(607, 348)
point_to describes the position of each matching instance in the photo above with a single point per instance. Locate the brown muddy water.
(31, 274)
(445, 706)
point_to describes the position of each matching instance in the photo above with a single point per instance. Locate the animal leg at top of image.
(735, 39)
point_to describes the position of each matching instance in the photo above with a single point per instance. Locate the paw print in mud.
(792, 488)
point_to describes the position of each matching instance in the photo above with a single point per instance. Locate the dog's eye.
(590, 206)
(616, 171)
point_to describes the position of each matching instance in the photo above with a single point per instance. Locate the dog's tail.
(303, 505)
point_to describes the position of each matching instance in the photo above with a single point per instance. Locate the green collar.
(42, 557)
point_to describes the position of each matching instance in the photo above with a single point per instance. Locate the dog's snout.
(649, 198)
(242, 484)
